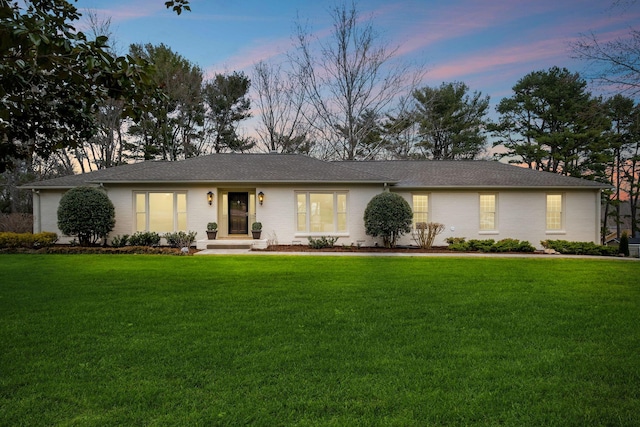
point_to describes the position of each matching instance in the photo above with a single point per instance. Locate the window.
(318, 212)
(420, 208)
(161, 212)
(554, 211)
(488, 212)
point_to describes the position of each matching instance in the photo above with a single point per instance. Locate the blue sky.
(488, 44)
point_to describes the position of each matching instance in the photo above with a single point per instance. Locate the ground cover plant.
(97, 340)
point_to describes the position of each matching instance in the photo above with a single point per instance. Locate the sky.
(487, 44)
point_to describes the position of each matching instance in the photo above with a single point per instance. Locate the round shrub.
(86, 212)
(388, 215)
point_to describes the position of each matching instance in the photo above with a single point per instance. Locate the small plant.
(145, 238)
(322, 242)
(212, 226)
(425, 233)
(273, 239)
(120, 241)
(256, 226)
(180, 239)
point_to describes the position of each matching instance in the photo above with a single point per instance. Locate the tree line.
(69, 102)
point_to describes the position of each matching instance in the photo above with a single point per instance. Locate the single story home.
(296, 197)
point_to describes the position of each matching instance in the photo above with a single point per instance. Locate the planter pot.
(211, 235)
(256, 234)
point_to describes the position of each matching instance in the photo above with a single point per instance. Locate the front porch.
(232, 243)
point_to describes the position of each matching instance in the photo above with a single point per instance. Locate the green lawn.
(97, 340)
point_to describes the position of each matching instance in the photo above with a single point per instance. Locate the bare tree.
(351, 73)
(617, 62)
(284, 125)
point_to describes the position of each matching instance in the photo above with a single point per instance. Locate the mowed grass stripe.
(159, 340)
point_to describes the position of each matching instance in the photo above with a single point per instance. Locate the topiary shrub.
(86, 212)
(389, 216)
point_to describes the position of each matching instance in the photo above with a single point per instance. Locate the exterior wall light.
(210, 197)
(261, 197)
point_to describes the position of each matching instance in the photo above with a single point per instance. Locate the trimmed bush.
(144, 238)
(489, 245)
(389, 216)
(579, 248)
(180, 239)
(322, 242)
(27, 240)
(120, 241)
(86, 212)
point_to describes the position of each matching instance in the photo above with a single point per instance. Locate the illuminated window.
(161, 212)
(487, 212)
(420, 209)
(554, 211)
(318, 212)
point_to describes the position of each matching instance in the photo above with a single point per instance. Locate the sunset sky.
(489, 45)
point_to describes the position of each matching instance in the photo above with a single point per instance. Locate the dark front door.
(238, 213)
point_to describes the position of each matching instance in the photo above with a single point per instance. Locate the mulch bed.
(399, 249)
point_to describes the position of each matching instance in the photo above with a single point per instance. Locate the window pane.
(141, 214)
(321, 206)
(420, 209)
(487, 212)
(161, 212)
(342, 212)
(301, 212)
(554, 212)
(181, 207)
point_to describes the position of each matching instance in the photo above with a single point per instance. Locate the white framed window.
(321, 212)
(488, 212)
(162, 212)
(554, 218)
(420, 208)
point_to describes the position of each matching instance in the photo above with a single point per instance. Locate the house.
(296, 196)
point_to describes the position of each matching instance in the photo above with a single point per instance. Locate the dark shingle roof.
(290, 168)
(223, 168)
(467, 174)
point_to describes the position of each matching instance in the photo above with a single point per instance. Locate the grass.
(91, 340)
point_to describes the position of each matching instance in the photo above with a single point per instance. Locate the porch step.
(229, 246)
(245, 244)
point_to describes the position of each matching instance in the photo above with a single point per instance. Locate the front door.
(238, 213)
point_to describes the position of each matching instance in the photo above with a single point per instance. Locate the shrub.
(425, 233)
(504, 245)
(579, 248)
(388, 215)
(322, 242)
(180, 239)
(256, 226)
(120, 241)
(481, 245)
(86, 212)
(27, 240)
(623, 248)
(454, 240)
(145, 238)
(212, 226)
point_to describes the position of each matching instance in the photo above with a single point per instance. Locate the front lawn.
(97, 340)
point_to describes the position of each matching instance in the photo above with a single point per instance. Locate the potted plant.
(212, 230)
(256, 229)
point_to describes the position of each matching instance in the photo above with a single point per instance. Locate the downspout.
(37, 222)
(599, 225)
